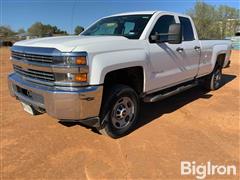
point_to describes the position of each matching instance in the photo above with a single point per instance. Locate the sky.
(67, 14)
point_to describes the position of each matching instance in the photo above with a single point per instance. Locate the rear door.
(191, 48)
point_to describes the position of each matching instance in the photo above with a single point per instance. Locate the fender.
(218, 50)
(104, 63)
(209, 54)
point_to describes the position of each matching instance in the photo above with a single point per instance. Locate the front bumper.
(68, 103)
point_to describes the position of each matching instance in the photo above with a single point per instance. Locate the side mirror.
(175, 34)
(155, 38)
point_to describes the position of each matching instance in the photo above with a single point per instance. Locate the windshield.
(130, 26)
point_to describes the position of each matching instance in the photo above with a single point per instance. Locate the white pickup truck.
(99, 77)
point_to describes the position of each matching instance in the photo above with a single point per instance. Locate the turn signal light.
(81, 60)
(82, 77)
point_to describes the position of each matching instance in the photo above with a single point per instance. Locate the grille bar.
(32, 57)
(34, 73)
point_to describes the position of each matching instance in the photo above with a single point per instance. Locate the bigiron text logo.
(201, 171)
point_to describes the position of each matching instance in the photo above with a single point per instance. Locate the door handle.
(197, 48)
(179, 49)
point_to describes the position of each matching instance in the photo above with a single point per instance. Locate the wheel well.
(132, 77)
(220, 60)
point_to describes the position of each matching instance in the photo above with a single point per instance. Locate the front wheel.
(120, 111)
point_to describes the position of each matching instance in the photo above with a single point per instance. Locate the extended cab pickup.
(99, 77)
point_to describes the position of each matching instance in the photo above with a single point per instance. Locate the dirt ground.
(193, 126)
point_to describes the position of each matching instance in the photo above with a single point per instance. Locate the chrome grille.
(40, 75)
(32, 57)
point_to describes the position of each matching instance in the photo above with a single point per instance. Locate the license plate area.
(24, 92)
(31, 95)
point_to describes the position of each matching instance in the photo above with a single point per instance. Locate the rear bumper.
(69, 103)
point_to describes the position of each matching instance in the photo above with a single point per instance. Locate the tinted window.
(162, 26)
(186, 29)
(130, 26)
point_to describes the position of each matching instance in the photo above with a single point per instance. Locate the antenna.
(72, 17)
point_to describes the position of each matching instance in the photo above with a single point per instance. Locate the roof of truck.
(135, 13)
(147, 12)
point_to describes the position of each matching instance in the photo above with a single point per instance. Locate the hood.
(68, 43)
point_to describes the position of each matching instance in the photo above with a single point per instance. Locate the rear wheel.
(214, 80)
(120, 111)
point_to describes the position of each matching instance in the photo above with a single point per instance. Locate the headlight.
(78, 60)
(77, 63)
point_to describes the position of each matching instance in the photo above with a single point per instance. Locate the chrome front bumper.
(73, 103)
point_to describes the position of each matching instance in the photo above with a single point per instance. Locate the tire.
(214, 80)
(120, 111)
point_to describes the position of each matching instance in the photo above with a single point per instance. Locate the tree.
(6, 31)
(214, 22)
(229, 18)
(40, 30)
(205, 19)
(78, 29)
(21, 30)
(37, 29)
